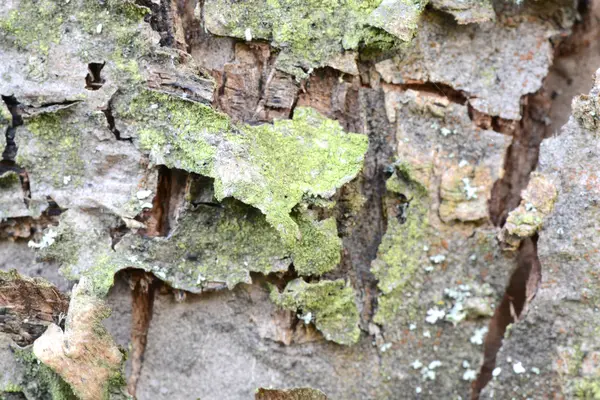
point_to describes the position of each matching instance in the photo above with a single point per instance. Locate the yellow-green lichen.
(329, 303)
(270, 167)
(319, 249)
(34, 24)
(209, 245)
(308, 34)
(54, 146)
(111, 31)
(400, 251)
(9, 179)
(587, 389)
(39, 381)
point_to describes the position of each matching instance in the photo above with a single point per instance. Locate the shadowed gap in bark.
(143, 286)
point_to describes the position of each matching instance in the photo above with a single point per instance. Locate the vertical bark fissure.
(520, 161)
(143, 286)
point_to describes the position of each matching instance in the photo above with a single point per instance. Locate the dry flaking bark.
(330, 170)
(28, 306)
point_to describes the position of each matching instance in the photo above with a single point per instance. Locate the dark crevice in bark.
(492, 122)
(440, 89)
(156, 218)
(362, 241)
(9, 153)
(521, 289)
(94, 80)
(160, 19)
(110, 119)
(10, 150)
(520, 161)
(521, 157)
(143, 287)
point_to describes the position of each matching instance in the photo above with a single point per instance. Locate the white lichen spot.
(146, 205)
(445, 132)
(478, 336)
(248, 34)
(469, 375)
(418, 390)
(535, 370)
(385, 347)
(66, 179)
(99, 29)
(412, 327)
(428, 374)
(143, 194)
(427, 334)
(466, 364)
(529, 207)
(435, 364)
(470, 191)
(416, 364)
(306, 317)
(438, 259)
(496, 372)
(47, 240)
(425, 248)
(429, 268)
(518, 368)
(463, 163)
(434, 314)
(456, 314)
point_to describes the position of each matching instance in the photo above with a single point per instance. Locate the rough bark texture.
(373, 199)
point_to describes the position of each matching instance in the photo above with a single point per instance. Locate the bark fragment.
(84, 354)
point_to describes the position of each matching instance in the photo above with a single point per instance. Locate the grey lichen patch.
(329, 303)
(54, 146)
(84, 355)
(310, 34)
(270, 167)
(526, 220)
(467, 11)
(521, 58)
(398, 17)
(43, 37)
(12, 202)
(63, 152)
(401, 250)
(465, 193)
(586, 108)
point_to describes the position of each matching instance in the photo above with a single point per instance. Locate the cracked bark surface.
(358, 197)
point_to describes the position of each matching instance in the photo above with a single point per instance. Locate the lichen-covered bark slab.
(526, 220)
(553, 351)
(72, 156)
(316, 33)
(440, 275)
(329, 303)
(213, 246)
(270, 167)
(84, 354)
(493, 64)
(467, 11)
